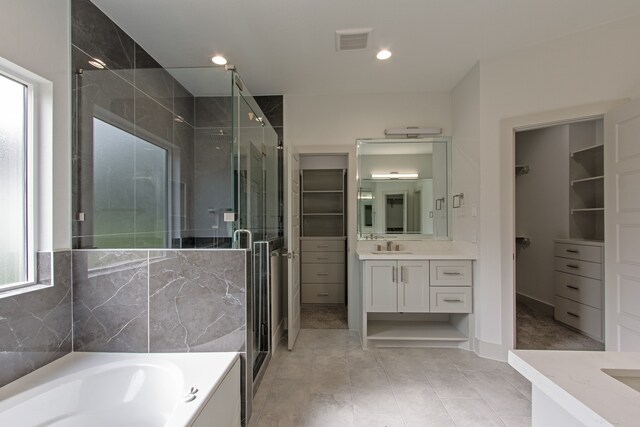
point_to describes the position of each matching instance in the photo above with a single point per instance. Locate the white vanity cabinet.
(416, 301)
(396, 286)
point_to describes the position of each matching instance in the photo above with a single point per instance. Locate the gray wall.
(35, 327)
(542, 207)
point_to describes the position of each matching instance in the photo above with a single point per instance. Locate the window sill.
(9, 293)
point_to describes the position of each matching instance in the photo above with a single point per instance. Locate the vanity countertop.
(419, 251)
(576, 382)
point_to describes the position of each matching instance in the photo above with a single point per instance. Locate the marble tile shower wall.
(159, 300)
(35, 327)
(134, 93)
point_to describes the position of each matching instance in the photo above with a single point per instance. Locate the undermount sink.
(390, 252)
(629, 377)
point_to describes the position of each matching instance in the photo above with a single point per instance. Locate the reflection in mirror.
(403, 188)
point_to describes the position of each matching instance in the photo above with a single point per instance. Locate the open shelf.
(587, 210)
(587, 150)
(323, 213)
(413, 330)
(590, 179)
(322, 191)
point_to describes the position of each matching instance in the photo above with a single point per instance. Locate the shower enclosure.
(179, 158)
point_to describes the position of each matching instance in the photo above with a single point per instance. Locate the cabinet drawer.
(581, 252)
(322, 257)
(580, 289)
(450, 299)
(322, 273)
(581, 268)
(317, 293)
(582, 317)
(450, 273)
(322, 245)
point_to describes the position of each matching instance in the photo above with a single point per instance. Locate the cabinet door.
(380, 286)
(413, 289)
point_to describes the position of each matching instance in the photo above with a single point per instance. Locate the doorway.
(559, 259)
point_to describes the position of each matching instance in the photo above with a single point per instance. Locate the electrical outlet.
(474, 210)
(474, 237)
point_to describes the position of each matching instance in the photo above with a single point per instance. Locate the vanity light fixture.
(383, 54)
(219, 60)
(394, 175)
(412, 131)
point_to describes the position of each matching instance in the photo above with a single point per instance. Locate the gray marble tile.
(152, 79)
(35, 327)
(471, 413)
(110, 300)
(273, 108)
(152, 119)
(334, 410)
(94, 33)
(213, 111)
(197, 300)
(183, 103)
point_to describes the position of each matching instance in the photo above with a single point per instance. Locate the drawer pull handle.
(573, 266)
(322, 274)
(573, 287)
(452, 300)
(573, 251)
(323, 257)
(322, 246)
(573, 314)
(323, 294)
(452, 273)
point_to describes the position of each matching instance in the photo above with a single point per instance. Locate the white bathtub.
(125, 389)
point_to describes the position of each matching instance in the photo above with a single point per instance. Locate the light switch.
(474, 210)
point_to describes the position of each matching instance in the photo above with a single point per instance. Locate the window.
(15, 233)
(26, 154)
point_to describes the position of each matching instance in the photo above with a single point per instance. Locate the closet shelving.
(323, 203)
(586, 170)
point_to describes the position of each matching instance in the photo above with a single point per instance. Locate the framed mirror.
(404, 188)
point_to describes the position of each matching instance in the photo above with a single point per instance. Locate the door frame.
(405, 199)
(508, 129)
(354, 298)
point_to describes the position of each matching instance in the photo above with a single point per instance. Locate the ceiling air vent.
(359, 39)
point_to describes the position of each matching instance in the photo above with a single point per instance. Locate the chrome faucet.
(389, 245)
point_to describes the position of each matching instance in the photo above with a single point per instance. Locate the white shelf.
(591, 149)
(413, 330)
(590, 179)
(322, 214)
(587, 210)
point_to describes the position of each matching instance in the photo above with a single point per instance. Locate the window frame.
(34, 104)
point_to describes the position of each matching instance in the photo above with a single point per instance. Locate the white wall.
(341, 119)
(465, 117)
(542, 207)
(35, 35)
(592, 66)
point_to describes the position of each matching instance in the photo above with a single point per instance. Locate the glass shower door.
(256, 181)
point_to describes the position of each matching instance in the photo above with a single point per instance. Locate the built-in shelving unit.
(586, 170)
(323, 232)
(413, 331)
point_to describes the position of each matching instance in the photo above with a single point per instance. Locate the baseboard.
(277, 336)
(491, 351)
(536, 304)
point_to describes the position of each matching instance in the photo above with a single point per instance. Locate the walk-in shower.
(179, 158)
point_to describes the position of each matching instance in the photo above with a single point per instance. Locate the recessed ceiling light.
(98, 63)
(219, 60)
(383, 54)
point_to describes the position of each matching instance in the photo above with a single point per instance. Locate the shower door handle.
(249, 237)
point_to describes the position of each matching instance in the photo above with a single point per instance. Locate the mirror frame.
(435, 139)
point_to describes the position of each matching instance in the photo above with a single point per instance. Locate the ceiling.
(288, 46)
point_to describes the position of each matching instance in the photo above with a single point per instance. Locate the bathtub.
(127, 389)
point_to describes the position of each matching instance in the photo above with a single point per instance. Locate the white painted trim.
(490, 350)
(508, 128)
(352, 210)
(277, 336)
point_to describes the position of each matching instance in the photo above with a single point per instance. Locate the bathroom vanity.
(419, 297)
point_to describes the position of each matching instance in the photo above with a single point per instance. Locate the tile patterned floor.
(329, 381)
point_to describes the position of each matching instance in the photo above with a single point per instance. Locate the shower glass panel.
(256, 205)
